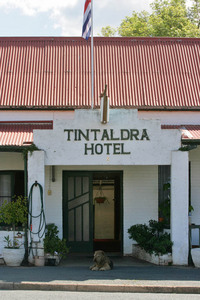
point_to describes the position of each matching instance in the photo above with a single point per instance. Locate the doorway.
(92, 211)
(108, 213)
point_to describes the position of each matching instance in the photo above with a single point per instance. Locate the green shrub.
(14, 213)
(52, 243)
(151, 238)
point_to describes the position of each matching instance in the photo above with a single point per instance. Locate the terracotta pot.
(100, 200)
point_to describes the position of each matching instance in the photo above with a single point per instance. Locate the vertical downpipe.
(25, 262)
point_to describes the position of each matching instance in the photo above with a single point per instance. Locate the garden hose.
(41, 216)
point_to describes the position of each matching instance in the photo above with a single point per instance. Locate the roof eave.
(191, 141)
(12, 148)
(72, 108)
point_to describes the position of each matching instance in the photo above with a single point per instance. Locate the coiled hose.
(41, 216)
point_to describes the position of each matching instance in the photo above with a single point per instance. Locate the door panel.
(77, 211)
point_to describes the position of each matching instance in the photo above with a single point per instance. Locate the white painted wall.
(36, 172)
(179, 207)
(53, 200)
(171, 117)
(11, 161)
(166, 117)
(140, 198)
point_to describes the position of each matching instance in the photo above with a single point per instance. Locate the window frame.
(13, 174)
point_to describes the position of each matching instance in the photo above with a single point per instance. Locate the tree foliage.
(194, 13)
(108, 31)
(14, 212)
(169, 18)
(136, 25)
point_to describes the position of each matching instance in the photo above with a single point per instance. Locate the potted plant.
(54, 247)
(152, 240)
(100, 199)
(12, 213)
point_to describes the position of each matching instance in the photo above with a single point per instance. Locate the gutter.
(11, 149)
(192, 142)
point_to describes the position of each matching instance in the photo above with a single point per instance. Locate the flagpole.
(92, 58)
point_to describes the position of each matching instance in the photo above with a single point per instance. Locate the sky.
(62, 17)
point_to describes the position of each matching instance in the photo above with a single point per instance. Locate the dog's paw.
(104, 268)
(94, 269)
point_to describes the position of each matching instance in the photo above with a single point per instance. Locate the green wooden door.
(77, 211)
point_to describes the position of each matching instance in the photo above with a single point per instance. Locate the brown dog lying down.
(101, 262)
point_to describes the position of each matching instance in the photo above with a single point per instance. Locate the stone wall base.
(140, 253)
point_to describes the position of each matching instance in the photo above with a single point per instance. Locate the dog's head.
(99, 256)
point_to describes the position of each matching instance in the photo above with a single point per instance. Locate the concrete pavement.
(128, 275)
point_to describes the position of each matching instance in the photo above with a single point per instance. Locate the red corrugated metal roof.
(189, 132)
(20, 133)
(146, 73)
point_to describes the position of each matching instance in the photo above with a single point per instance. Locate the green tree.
(136, 25)
(168, 18)
(194, 13)
(108, 31)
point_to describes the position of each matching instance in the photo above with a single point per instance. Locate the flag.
(86, 31)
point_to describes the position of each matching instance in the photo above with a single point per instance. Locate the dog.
(101, 262)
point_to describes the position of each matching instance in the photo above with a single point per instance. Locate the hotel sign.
(79, 139)
(106, 141)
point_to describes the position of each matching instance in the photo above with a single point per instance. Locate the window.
(5, 188)
(11, 184)
(164, 178)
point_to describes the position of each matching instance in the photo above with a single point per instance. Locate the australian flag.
(87, 20)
